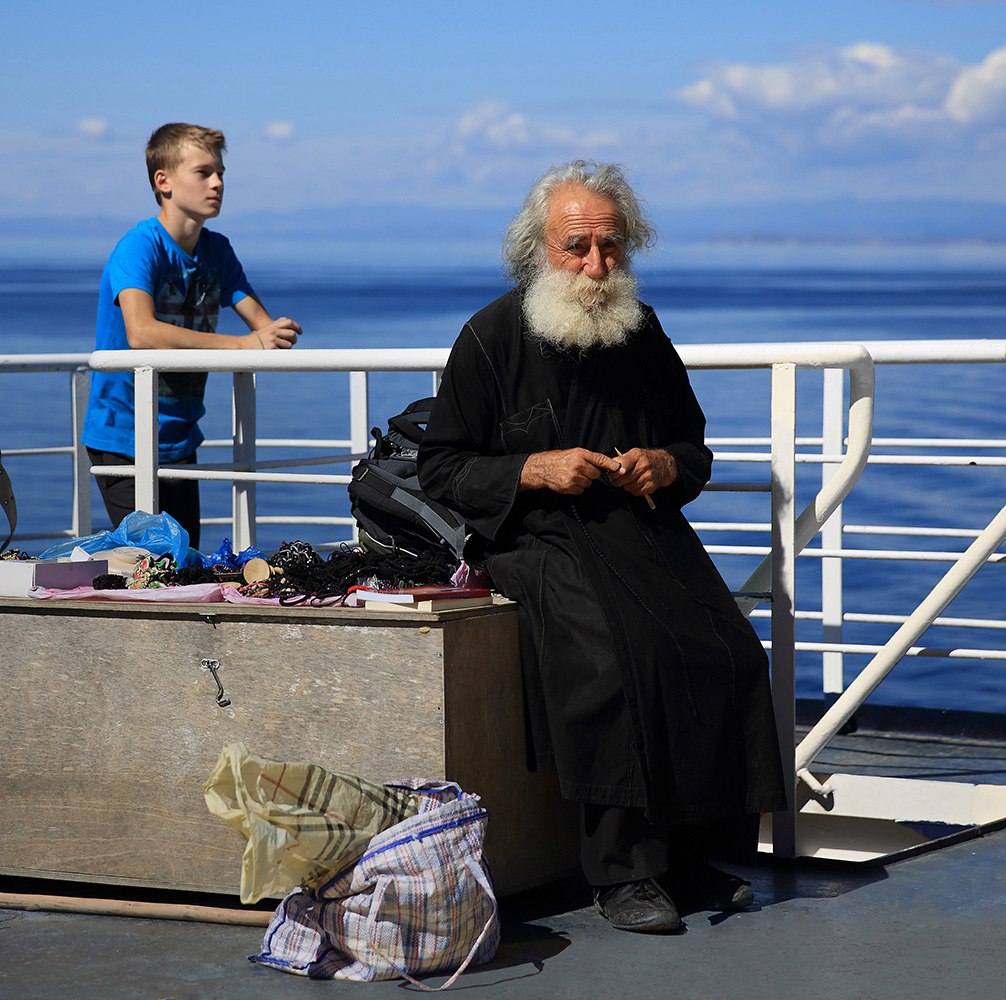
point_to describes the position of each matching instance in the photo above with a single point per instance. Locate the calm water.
(717, 299)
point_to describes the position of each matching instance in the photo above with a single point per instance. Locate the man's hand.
(570, 471)
(278, 334)
(644, 470)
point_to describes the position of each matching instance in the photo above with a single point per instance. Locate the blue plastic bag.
(225, 556)
(158, 533)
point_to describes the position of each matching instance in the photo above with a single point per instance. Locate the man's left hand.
(645, 470)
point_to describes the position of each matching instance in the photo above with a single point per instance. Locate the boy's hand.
(280, 334)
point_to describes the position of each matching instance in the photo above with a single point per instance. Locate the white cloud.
(870, 120)
(494, 127)
(978, 95)
(867, 101)
(96, 128)
(865, 75)
(278, 131)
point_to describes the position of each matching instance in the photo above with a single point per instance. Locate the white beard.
(573, 311)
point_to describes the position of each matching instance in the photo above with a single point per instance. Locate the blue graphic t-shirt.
(188, 291)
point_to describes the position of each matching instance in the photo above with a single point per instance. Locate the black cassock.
(644, 684)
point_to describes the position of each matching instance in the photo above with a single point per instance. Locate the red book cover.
(430, 592)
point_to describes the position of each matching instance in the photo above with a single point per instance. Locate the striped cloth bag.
(419, 901)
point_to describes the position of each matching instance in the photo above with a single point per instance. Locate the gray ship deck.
(930, 925)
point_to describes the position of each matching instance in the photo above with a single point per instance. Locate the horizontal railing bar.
(920, 651)
(848, 529)
(936, 352)
(805, 355)
(724, 487)
(28, 452)
(753, 526)
(905, 555)
(862, 617)
(819, 354)
(761, 442)
(916, 532)
(272, 463)
(175, 472)
(939, 442)
(812, 458)
(375, 359)
(282, 443)
(42, 362)
(292, 519)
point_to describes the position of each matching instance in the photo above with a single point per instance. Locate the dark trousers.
(618, 845)
(178, 497)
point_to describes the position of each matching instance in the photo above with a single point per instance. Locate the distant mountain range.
(841, 220)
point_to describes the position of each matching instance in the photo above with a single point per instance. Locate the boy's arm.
(145, 332)
(271, 333)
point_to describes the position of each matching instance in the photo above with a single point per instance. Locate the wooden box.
(111, 726)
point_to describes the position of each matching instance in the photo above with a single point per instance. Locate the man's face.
(196, 185)
(584, 232)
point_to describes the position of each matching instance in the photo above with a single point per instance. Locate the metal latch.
(213, 666)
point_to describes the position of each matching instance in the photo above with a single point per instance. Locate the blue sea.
(702, 295)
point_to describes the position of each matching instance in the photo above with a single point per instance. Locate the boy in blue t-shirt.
(163, 287)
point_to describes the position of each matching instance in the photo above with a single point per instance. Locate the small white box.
(18, 576)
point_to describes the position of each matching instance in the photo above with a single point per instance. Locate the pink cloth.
(197, 593)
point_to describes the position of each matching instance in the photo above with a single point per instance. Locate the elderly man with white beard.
(567, 435)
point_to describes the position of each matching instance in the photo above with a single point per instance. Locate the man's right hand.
(569, 471)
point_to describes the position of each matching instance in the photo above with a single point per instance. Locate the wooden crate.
(111, 726)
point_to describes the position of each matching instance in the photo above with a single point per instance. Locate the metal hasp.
(213, 666)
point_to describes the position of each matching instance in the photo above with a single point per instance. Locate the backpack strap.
(8, 503)
(390, 487)
(411, 422)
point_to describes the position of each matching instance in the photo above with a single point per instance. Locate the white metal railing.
(76, 367)
(841, 453)
(245, 470)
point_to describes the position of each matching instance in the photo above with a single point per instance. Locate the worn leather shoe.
(707, 888)
(637, 906)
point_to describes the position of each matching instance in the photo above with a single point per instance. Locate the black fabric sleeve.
(461, 463)
(687, 439)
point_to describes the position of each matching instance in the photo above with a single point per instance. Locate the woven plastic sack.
(301, 821)
(419, 901)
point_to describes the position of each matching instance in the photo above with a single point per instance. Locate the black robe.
(644, 684)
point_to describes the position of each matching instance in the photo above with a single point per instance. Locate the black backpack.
(386, 500)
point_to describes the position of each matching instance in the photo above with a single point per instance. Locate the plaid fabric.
(301, 821)
(420, 900)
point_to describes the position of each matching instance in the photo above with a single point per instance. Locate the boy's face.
(196, 186)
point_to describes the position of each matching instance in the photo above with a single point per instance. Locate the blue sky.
(705, 103)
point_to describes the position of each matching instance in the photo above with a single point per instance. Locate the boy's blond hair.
(167, 145)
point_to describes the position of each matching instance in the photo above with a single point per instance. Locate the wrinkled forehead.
(574, 210)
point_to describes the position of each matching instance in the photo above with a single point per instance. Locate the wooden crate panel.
(113, 726)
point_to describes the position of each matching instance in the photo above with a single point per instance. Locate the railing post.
(832, 605)
(80, 516)
(783, 593)
(243, 494)
(147, 495)
(359, 423)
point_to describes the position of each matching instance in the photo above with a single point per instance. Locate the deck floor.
(935, 758)
(931, 927)
(926, 927)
